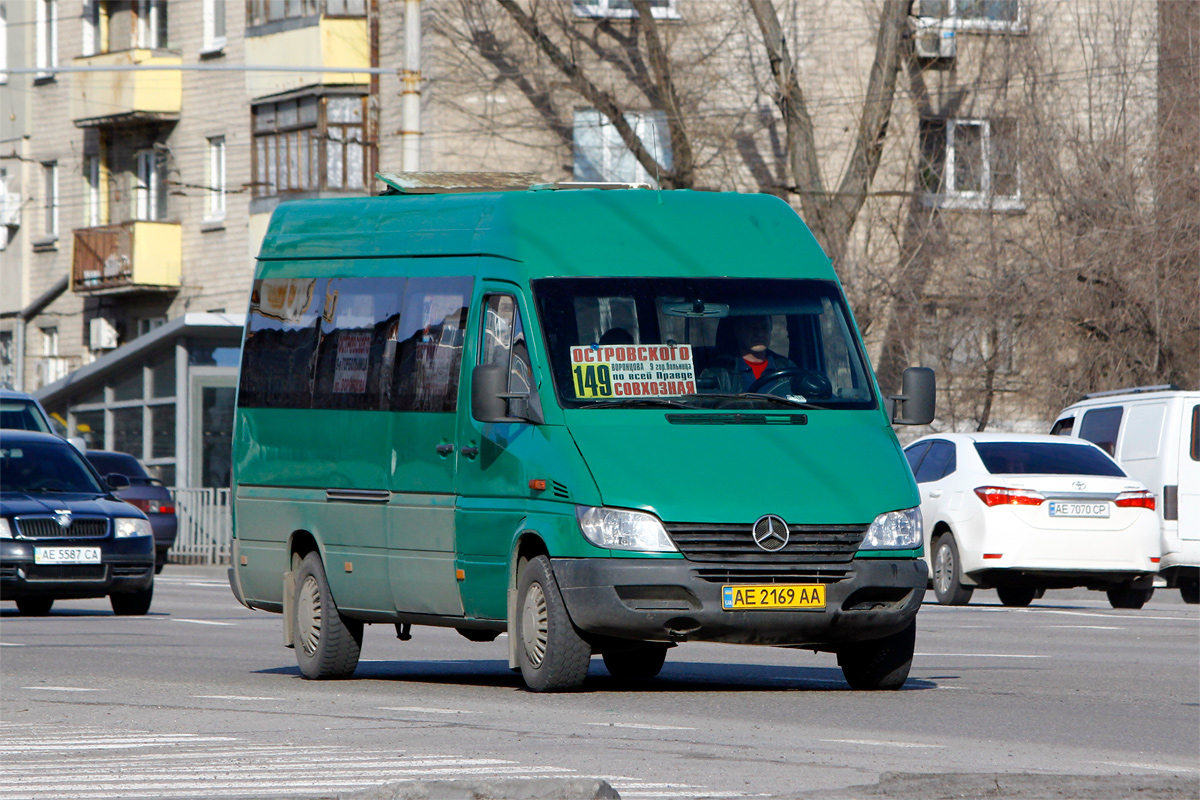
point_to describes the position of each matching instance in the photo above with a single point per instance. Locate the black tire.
(35, 606)
(879, 663)
(132, 604)
(947, 573)
(1189, 590)
(1126, 596)
(1016, 596)
(327, 644)
(552, 655)
(640, 663)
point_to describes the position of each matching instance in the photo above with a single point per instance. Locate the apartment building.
(145, 143)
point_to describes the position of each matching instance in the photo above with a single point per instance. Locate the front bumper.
(665, 600)
(126, 565)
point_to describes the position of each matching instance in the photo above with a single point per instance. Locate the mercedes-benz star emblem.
(770, 533)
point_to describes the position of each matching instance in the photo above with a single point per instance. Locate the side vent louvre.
(559, 490)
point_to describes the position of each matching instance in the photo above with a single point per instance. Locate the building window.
(92, 27)
(346, 8)
(310, 144)
(214, 26)
(980, 15)
(46, 31)
(261, 12)
(150, 190)
(216, 178)
(971, 164)
(3, 45)
(93, 191)
(622, 9)
(151, 20)
(50, 193)
(601, 154)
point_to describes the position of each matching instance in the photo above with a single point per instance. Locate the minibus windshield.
(728, 343)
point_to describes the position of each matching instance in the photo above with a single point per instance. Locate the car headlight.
(619, 529)
(895, 530)
(5, 531)
(130, 526)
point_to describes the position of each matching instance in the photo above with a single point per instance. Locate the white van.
(1154, 433)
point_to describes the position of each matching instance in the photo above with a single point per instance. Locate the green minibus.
(603, 420)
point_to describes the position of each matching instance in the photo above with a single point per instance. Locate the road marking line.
(60, 689)
(975, 655)
(640, 726)
(1152, 767)
(203, 622)
(873, 743)
(10, 644)
(424, 710)
(1089, 627)
(1095, 614)
(231, 697)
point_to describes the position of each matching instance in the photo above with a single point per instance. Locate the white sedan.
(1023, 513)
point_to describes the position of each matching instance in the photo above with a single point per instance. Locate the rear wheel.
(552, 655)
(1016, 596)
(327, 644)
(880, 663)
(947, 573)
(1126, 596)
(35, 606)
(132, 604)
(1190, 591)
(638, 664)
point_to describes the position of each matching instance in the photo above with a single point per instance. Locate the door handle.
(444, 449)
(935, 493)
(469, 452)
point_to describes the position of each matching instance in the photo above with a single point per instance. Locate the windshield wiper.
(758, 396)
(640, 402)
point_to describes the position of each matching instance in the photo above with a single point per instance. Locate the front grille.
(8, 573)
(48, 528)
(65, 572)
(807, 544)
(126, 571)
(770, 574)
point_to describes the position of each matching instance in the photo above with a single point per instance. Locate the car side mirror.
(917, 400)
(492, 402)
(117, 481)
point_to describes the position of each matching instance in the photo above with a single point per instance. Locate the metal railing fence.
(205, 527)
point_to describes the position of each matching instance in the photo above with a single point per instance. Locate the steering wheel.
(811, 384)
(47, 485)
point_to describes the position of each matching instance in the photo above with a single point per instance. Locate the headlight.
(5, 531)
(895, 530)
(618, 529)
(129, 526)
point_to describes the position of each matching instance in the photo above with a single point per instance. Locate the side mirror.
(492, 402)
(117, 481)
(917, 400)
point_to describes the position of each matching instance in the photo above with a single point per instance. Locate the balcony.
(126, 96)
(129, 257)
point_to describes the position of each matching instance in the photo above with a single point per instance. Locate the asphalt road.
(1068, 698)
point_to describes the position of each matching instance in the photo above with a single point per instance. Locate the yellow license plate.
(773, 596)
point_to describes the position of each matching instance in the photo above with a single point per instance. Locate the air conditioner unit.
(935, 43)
(103, 336)
(10, 209)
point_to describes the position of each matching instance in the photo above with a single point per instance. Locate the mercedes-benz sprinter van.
(602, 421)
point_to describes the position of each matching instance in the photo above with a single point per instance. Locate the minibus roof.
(549, 231)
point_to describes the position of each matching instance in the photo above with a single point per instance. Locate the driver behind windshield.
(744, 355)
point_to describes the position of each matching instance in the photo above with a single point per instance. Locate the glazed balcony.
(124, 95)
(129, 257)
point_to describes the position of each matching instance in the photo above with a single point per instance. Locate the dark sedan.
(64, 534)
(148, 494)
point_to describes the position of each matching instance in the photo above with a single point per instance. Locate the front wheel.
(947, 574)
(327, 644)
(35, 606)
(132, 604)
(1016, 596)
(640, 663)
(1126, 596)
(552, 655)
(880, 663)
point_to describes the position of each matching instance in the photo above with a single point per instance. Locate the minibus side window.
(1100, 426)
(358, 324)
(282, 330)
(429, 342)
(504, 343)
